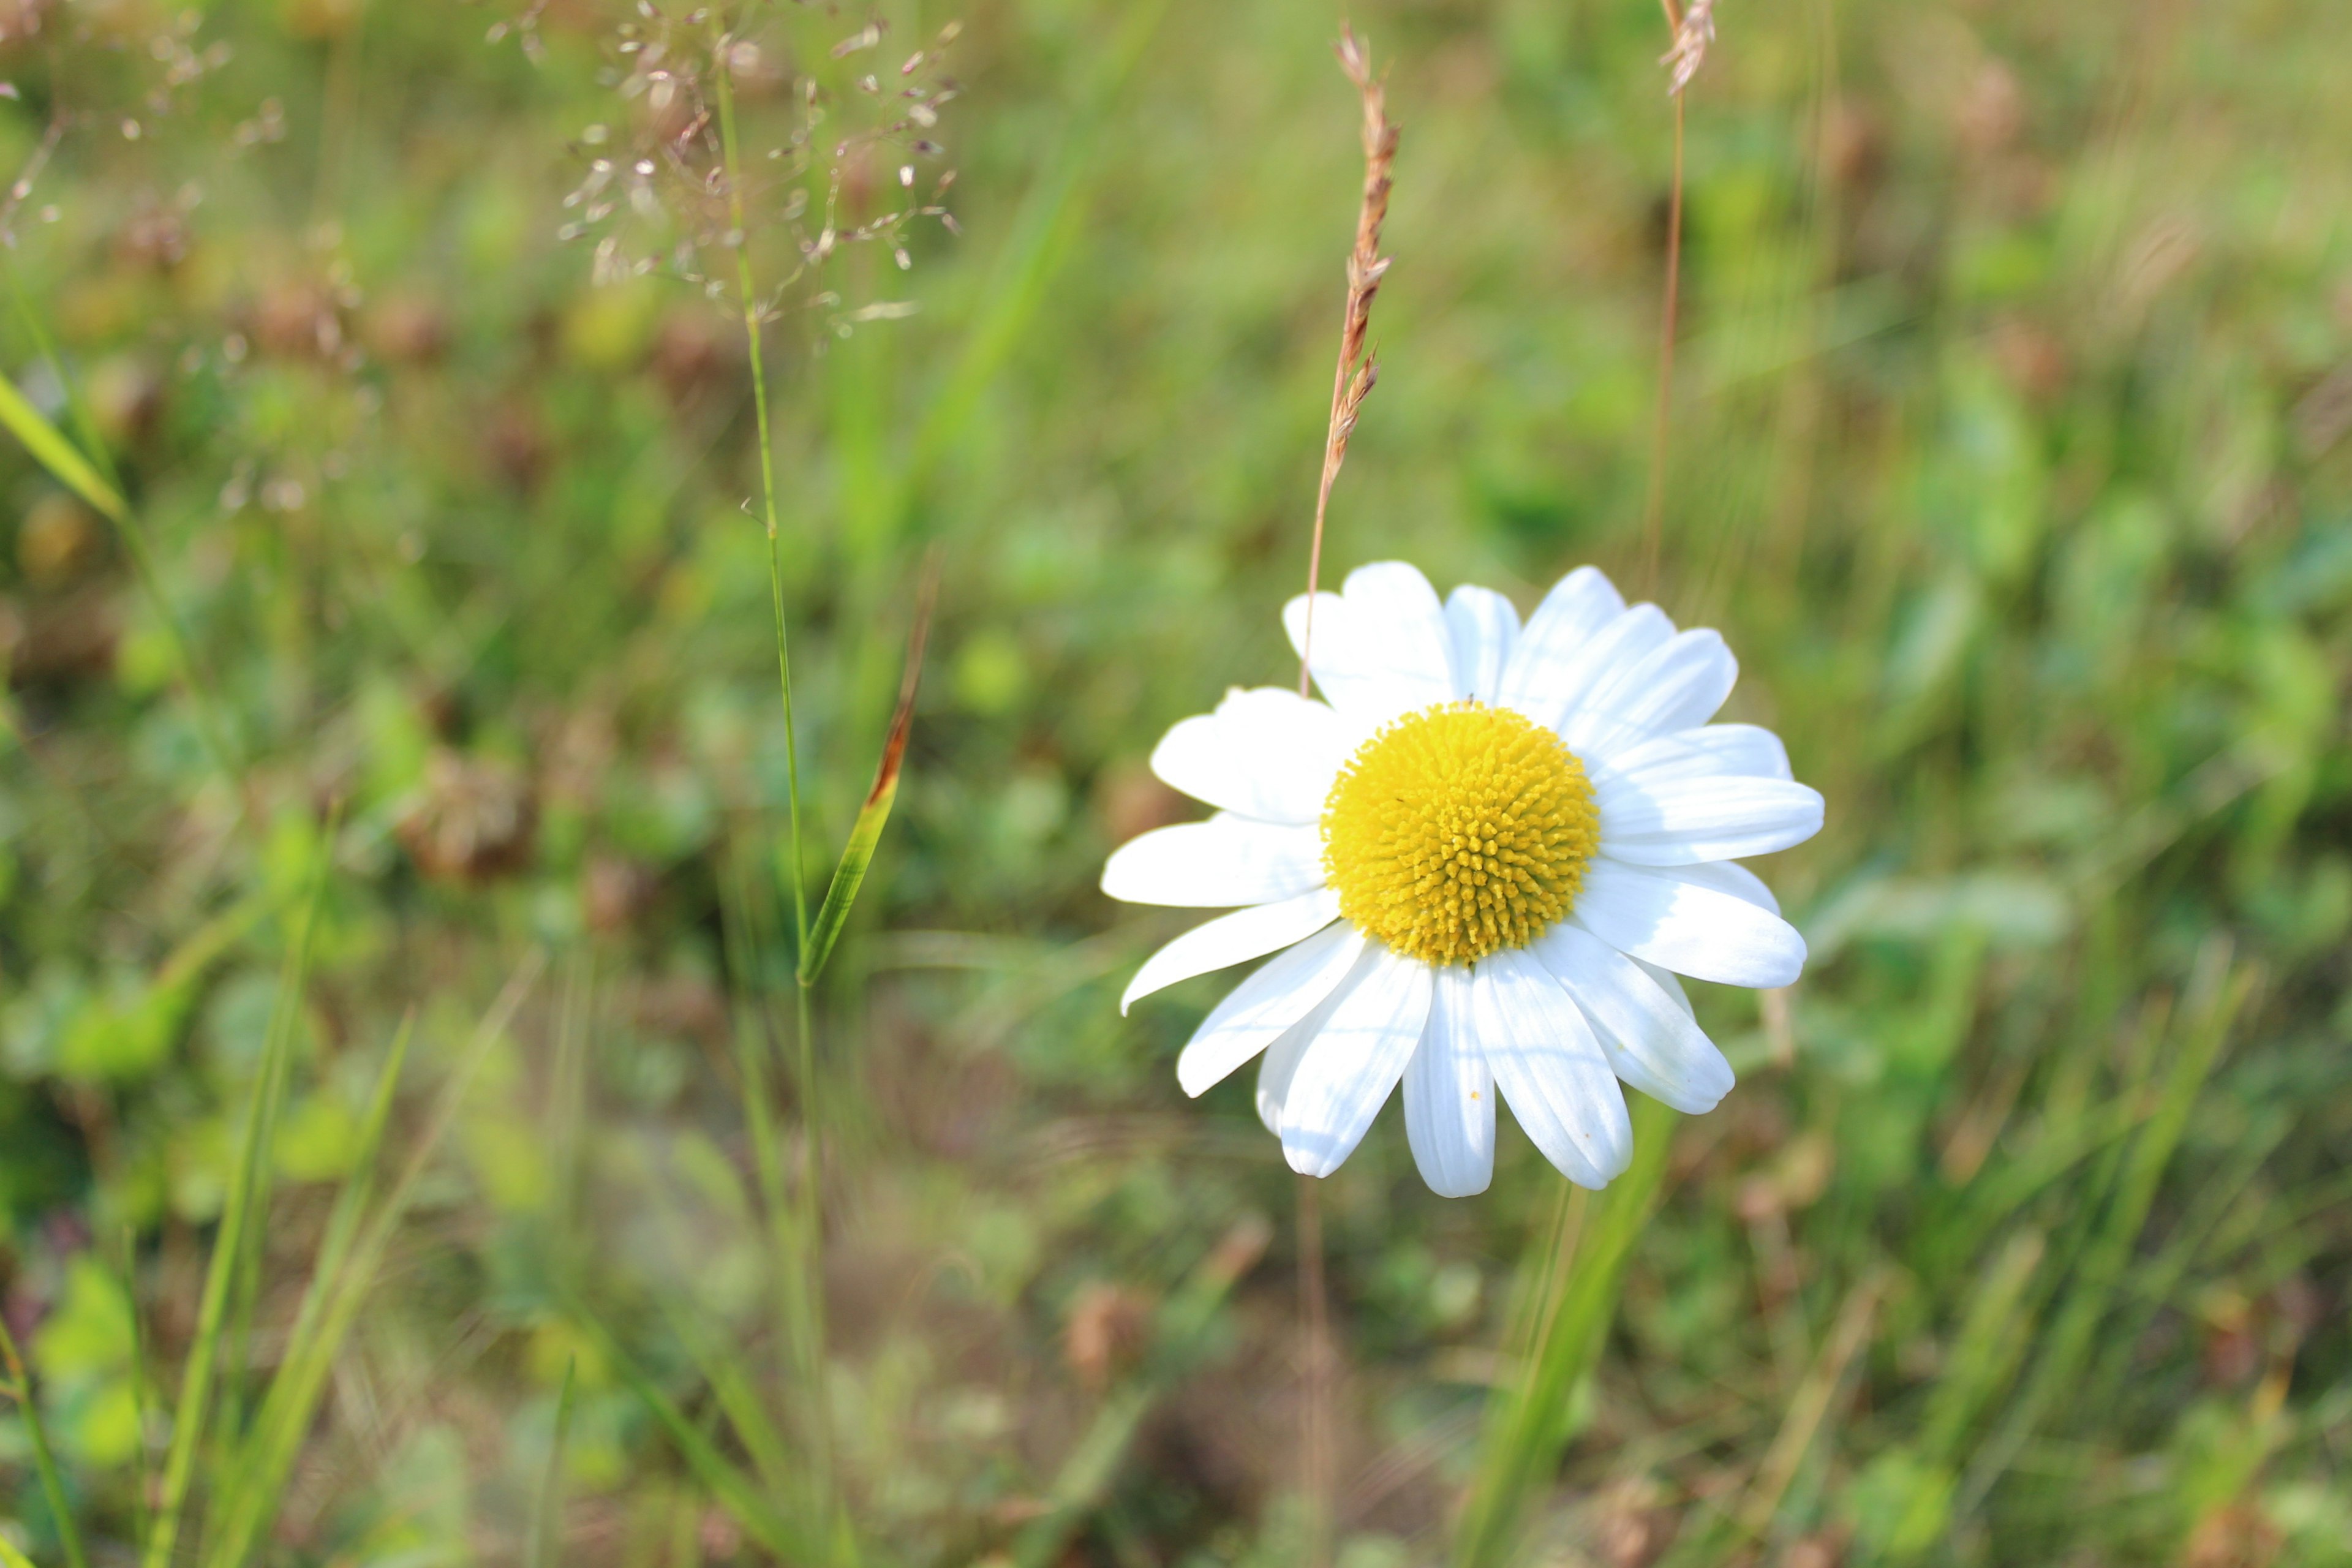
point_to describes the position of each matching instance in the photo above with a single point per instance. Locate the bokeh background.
(2011, 449)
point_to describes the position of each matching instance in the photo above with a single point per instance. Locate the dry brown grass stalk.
(1351, 382)
(1358, 369)
(1694, 31)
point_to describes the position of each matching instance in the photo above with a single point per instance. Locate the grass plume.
(1358, 369)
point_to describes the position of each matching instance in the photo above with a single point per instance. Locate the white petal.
(1578, 606)
(1256, 1011)
(1728, 877)
(1683, 821)
(1599, 663)
(1267, 753)
(1225, 861)
(1233, 939)
(1550, 1068)
(1683, 924)
(1279, 1066)
(1449, 1096)
(1485, 628)
(1651, 1040)
(1704, 752)
(1380, 650)
(1669, 982)
(1677, 685)
(1353, 1065)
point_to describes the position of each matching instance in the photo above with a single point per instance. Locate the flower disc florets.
(1457, 830)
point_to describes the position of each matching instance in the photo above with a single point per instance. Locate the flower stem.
(810, 1228)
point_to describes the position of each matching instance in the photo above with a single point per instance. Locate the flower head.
(1480, 862)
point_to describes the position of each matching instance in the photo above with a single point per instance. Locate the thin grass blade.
(294, 1395)
(266, 1456)
(44, 1464)
(1180, 1336)
(866, 835)
(143, 1468)
(1529, 1429)
(53, 451)
(735, 1491)
(248, 1189)
(545, 1519)
(2218, 993)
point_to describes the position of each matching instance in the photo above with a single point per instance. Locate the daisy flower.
(1481, 861)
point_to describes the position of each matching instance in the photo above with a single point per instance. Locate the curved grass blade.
(545, 1519)
(866, 836)
(249, 1194)
(78, 472)
(267, 1455)
(734, 1490)
(12, 1558)
(49, 447)
(19, 1386)
(1529, 1428)
(294, 1395)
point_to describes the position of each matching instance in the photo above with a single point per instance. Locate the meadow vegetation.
(408, 1151)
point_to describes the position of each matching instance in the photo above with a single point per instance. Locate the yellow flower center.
(1458, 830)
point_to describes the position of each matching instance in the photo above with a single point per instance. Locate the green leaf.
(54, 452)
(866, 836)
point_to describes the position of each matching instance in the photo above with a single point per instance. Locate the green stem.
(812, 1196)
(750, 303)
(20, 1384)
(811, 1227)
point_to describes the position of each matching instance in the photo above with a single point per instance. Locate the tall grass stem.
(19, 1386)
(810, 1271)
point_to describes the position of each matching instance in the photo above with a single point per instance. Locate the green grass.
(2011, 449)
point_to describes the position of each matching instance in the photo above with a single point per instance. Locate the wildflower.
(1483, 860)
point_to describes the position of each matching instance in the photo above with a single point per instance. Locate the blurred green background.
(2010, 451)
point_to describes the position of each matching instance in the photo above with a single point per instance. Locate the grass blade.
(49, 447)
(142, 1468)
(866, 835)
(1180, 1336)
(1529, 1428)
(20, 1387)
(248, 1191)
(12, 1558)
(2218, 993)
(79, 473)
(735, 1491)
(294, 1395)
(265, 1458)
(545, 1517)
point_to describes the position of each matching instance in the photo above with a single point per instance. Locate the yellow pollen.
(1458, 830)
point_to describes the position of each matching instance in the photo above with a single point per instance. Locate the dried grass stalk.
(1358, 369)
(1694, 31)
